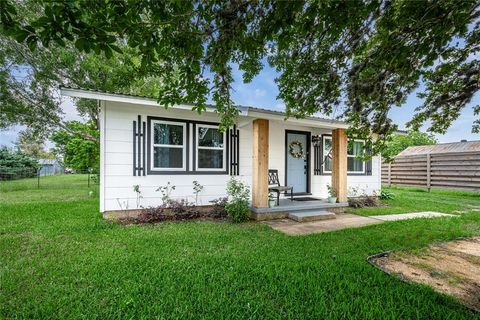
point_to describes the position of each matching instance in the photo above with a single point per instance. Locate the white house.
(147, 145)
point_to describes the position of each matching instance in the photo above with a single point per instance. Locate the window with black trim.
(355, 149)
(210, 148)
(168, 146)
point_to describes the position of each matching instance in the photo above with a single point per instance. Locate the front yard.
(416, 200)
(60, 259)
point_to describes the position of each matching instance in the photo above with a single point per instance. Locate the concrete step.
(311, 215)
(300, 206)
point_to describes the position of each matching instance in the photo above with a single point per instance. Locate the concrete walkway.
(404, 216)
(343, 221)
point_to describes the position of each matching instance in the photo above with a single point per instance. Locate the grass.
(416, 200)
(60, 259)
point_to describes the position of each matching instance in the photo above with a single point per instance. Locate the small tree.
(197, 188)
(16, 165)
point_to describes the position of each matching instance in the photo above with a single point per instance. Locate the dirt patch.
(451, 267)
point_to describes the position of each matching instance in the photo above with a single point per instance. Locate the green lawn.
(415, 200)
(59, 259)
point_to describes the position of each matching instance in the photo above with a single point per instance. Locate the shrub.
(152, 215)
(180, 206)
(166, 191)
(138, 192)
(218, 209)
(238, 210)
(174, 210)
(238, 196)
(364, 201)
(385, 195)
(331, 191)
(359, 199)
(197, 188)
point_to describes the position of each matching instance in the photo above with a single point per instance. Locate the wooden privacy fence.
(438, 171)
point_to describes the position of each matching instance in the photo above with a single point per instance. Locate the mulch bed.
(177, 213)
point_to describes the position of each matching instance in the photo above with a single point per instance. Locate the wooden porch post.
(260, 164)
(339, 167)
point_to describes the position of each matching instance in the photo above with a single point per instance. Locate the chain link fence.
(14, 178)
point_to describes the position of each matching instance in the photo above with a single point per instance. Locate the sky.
(262, 92)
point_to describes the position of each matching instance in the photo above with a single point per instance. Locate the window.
(355, 149)
(185, 147)
(327, 154)
(169, 146)
(210, 148)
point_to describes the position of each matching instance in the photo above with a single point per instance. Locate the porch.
(299, 210)
(271, 154)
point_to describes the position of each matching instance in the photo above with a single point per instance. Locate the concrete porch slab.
(290, 206)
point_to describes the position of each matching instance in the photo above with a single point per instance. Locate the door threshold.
(299, 194)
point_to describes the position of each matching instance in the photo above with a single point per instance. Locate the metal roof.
(47, 161)
(464, 146)
(151, 99)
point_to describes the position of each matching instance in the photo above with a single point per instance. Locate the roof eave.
(244, 111)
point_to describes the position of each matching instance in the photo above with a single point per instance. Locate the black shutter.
(317, 155)
(144, 152)
(139, 147)
(368, 164)
(234, 156)
(134, 148)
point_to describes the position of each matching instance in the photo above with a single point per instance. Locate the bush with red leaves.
(180, 210)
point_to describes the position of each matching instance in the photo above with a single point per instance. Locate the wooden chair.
(274, 185)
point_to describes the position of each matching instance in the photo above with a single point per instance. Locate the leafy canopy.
(350, 59)
(32, 146)
(77, 152)
(30, 80)
(400, 142)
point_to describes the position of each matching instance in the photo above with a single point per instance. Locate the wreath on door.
(296, 150)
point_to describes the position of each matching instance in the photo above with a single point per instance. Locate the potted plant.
(271, 200)
(332, 194)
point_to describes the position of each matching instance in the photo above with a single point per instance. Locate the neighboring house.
(441, 166)
(49, 167)
(147, 145)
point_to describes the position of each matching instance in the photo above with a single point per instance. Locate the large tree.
(30, 80)
(31, 145)
(351, 59)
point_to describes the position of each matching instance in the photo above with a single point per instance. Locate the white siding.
(116, 161)
(103, 158)
(117, 180)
